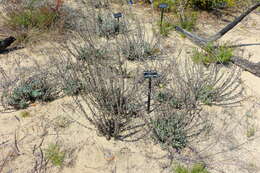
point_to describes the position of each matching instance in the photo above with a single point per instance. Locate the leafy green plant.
(35, 88)
(211, 54)
(211, 4)
(54, 154)
(187, 20)
(42, 18)
(196, 168)
(165, 28)
(170, 132)
(25, 114)
(250, 131)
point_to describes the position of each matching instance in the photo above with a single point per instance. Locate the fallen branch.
(233, 24)
(246, 65)
(202, 41)
(253, 68)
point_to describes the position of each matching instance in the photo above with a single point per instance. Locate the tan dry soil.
(229, 149)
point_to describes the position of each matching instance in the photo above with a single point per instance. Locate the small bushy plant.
(196, 168)
(35, 88)
(211, 4)
(25, 114)
(165, 28)
(42, 18)
(54, 154)
(211, 54)
(108, 26)
(139, 50)
(73, 87)
(188, 20)
(169, 131)
(29, 19)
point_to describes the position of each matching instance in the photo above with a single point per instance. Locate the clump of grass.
(211, 54)
(211, 4)
(25, 114)
(137, 47)
(188, 20)
(251, 132)
(196, 168)
(30, 19)
(139, 50)
(54, 154)
(41, 18)
(165, 28)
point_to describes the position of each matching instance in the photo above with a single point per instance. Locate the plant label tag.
(117, 15)
(150, 74)
(163, 5)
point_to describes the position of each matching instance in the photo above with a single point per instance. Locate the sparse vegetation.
(29, 19)
(25, 114)
(196, 168)
(55, 155)
(166, 28)
(107, 26)
(250, 132)
(211, 4)
(187, 20)
(211, 54)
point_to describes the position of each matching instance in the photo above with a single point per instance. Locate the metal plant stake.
(150, 75)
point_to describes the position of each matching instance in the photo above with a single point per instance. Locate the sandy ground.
(228, 149)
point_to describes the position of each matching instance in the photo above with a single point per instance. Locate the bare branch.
(233, 24)
(253, 68)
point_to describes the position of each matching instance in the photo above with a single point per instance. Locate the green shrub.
(31, 19)
(25, 114)
(211, 54)
(54, 154)
(197, 168)
(169, 131)
(135, 48)
(165, 28)
(35, 88)
(211, 4)
(40, 18)
(188, 20)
